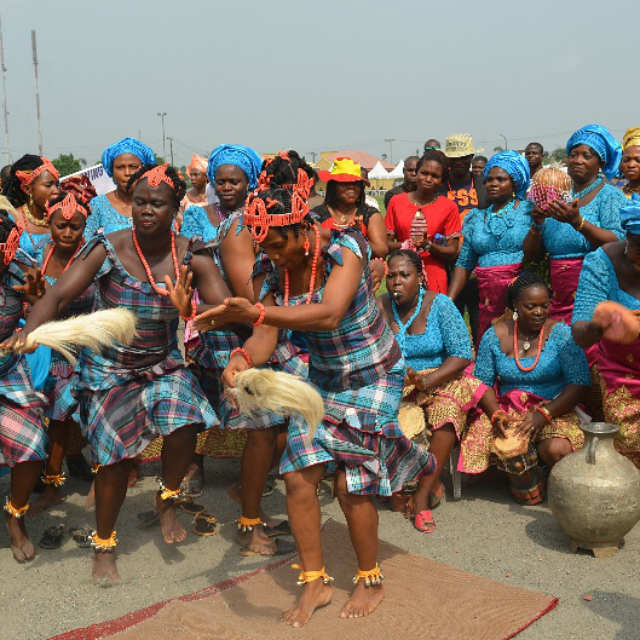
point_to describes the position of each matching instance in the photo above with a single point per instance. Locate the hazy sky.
(317, 75)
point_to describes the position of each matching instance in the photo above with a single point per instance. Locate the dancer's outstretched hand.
(16, 342)
(34, 286)
(231, 311)
(181, 292)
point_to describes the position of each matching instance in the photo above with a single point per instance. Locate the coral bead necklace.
(516, 348)
(314, 271)
(49, 255)
(147, 268)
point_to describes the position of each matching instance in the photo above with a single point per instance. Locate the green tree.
(559, 155)
(65, 163)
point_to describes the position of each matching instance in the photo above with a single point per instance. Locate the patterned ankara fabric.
(196, 224)
(129, 394)
(359, 371)
(617, 366)
(126, 145)
(105, 217)
(22, 434)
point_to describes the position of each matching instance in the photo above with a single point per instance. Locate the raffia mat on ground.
(440, 601)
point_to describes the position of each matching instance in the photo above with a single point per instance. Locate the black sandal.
(283, 548)
(190, 507)
(52, 537)
(82, 537)
(205, 525)
(281, 529)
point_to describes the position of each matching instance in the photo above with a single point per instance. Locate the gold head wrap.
(631, 138)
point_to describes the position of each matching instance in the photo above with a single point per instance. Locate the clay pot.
(595, 493)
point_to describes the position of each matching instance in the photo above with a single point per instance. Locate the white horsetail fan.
(282, 393)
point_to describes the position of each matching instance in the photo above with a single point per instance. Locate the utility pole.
(170, 139)
(313, 155)
(162, 115)
(390, 142)
(34, 50)
(7, 153)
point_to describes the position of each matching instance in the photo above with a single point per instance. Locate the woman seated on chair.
(539, 375)
(437, 348)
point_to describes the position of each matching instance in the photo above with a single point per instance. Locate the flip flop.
(52, 537)
(82, 537)
(281, 529)
(205, 525)
(283, 548)
(424, 521)
(190, 507)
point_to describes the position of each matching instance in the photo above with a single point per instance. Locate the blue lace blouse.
(561, 240)
(599, 282)
(494, 239)
(196, 223)
(446, 336)
(104, 215)
(562, 362)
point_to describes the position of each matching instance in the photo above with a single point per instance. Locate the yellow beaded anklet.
(166, 493)
(53, 479)
(311, 576)
(247, 524)
(104, 544)
(371, 578)
(95, 469)
(13, 511)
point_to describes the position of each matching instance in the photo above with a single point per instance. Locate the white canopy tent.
(396, 173)
(378, 172)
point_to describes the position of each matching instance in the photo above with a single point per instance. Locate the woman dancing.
(492, 244)
(572, 230)
(23, 441)
(129, 394)
(322, 286)
(436, 347)
(541, 375)
(112, 211)
(67, 218)
(611, 273)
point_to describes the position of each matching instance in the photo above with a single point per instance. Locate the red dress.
(441, 216)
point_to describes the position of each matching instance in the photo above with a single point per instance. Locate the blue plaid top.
(362, 348)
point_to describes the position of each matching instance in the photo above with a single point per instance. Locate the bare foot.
(105, 572)
(315, 594)
(21, 546)
(257, 541)
(172, 530)
(90, 501)
(363, 601)
(51, 497)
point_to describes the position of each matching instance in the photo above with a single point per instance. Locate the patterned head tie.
(126, 145)
(630, 215)
(517, 168)
(242, 157)
(28, 176)
(257, 217)
(603, 143)
(68, 206)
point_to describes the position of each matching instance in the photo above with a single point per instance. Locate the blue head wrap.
(244, 157)
(630, 215)
(603, 143)
(516, 166)
(126, 145)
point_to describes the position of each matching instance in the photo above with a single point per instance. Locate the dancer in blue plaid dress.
(322, 286)
(129, 394)
(234, 254)
(23, 441)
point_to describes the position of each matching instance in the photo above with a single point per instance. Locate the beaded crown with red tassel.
(257, 217)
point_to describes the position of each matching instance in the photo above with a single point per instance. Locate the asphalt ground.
(484, 533)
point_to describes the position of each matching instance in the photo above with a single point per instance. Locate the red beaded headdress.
(157, 175)
(264, 179)
(258, 219)
(69, 205)
(10, 247)
(27, 177)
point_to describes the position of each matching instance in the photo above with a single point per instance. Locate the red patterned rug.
(423, 598)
